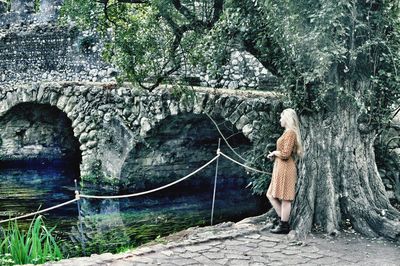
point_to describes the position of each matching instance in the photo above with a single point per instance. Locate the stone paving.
(250, 243)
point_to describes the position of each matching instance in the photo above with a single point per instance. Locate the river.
(115, 225)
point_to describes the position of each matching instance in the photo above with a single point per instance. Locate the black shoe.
(276, 221)
(282, 228)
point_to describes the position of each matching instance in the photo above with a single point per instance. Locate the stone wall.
(33, 47)
(242, 71)
(48, 54)
(112, 123)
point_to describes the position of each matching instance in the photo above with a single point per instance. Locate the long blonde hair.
(292, 122)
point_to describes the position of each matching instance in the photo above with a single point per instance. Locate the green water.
(115, 225)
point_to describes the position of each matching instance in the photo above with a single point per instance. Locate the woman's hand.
(271, 155)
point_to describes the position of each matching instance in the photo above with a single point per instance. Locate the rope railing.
(39, 212)
(152, 190)
(245, 166)
(224, 138)
(78, 196)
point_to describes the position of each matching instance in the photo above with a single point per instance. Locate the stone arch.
(69, 99)
(36, 131)
(178, 145)
(247, 117)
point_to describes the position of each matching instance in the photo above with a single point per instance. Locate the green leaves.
(147, 41)
(37, 245)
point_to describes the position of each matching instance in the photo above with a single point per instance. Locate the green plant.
(37, 6)
(37, 245)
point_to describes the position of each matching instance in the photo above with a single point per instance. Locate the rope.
(38, 212)
(245, 166)
(152, 190)
(223, 137)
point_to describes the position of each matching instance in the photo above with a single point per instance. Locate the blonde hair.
(292, 122)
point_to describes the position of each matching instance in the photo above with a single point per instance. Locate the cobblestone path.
(250, 243)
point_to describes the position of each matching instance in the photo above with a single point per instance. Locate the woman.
(281, 191)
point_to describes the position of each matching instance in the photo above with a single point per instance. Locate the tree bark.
(338, 178)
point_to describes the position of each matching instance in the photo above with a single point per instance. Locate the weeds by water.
(36, 246)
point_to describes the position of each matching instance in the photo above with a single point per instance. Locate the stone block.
(107, 117)
(242, 122)
(173, 108)
(60, 102)
(3, 8)
(83, 148)
(91, 144)
(70, 104)
(145, 126)
(40, 93)
(53, 98)
(234, 117)
(23, 6)
(79, 128)
(247, 129)
(83, 138)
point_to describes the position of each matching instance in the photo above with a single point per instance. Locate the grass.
(36, 246)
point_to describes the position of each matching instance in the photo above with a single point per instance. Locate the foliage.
(37, 245)
(257, 156)
(36, 5)
(144, 40)
(344, 50)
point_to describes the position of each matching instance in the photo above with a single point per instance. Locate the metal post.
(215, 182)
(80, 219)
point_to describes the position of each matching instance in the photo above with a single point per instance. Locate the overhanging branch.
(184, 10)
(127, 1)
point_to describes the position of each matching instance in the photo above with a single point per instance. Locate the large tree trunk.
(339, 180)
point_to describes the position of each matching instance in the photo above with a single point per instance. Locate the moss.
(86, 44)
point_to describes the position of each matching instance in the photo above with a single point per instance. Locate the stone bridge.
(118, 131)
(59, 102)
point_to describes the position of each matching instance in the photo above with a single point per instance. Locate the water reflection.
(112, 225)
(28, 187)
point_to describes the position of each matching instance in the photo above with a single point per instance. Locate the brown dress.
(284, 174)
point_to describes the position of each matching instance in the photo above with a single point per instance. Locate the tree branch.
(127, 1)
(134, 1)
(218, 8)
(105, 9)
(183, 10)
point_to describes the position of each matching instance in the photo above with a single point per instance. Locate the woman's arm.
(289, 140)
